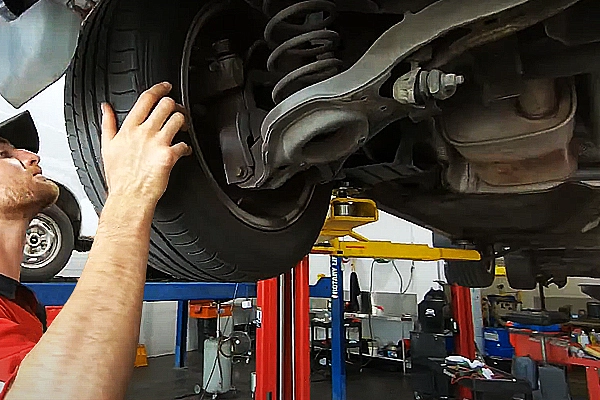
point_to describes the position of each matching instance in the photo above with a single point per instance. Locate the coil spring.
(296, 46)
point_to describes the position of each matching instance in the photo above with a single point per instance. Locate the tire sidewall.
(474, 274)
(191, 225)
(220, 231)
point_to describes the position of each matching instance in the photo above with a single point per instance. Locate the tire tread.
(84, 143)
(111, 64)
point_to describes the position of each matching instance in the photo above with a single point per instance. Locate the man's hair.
(4, 141)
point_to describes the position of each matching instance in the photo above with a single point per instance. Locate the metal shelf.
(381, 317)
(386, 358)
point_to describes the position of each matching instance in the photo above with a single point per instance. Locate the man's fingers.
(181, 150)
(145, 103)
(165, 107)
(181, 109)
(172, 126)
(109, 123)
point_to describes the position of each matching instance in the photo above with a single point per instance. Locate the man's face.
(23, 190)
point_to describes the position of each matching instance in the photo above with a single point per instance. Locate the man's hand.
(139, 158)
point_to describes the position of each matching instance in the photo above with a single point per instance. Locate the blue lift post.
(181, 333)
(338, 339)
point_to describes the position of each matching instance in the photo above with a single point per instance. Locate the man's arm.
(88, 351)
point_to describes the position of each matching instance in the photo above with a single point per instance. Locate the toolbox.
(497, 343)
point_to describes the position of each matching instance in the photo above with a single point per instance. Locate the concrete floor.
(160, 381)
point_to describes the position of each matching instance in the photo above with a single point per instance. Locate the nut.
(417, 85)
(441, 85)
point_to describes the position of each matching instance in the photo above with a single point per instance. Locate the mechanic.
(89, 351)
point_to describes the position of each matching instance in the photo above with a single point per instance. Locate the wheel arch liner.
(36, 49)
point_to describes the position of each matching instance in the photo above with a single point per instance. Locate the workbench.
(502, 383)
(553, 348)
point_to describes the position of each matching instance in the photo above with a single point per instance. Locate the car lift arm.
(346, 213)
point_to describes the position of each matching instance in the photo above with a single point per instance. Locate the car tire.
(48, 247)
(127, 46)
(520, 271)
(473, 274)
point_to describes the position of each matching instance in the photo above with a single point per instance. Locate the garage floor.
(160, 381)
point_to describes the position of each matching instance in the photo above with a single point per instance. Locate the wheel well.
(68, 203)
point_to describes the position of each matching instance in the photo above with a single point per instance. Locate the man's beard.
(26, 202)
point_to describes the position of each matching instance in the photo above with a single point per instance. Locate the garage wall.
(385, 278)
(555, 297)
(157, 330)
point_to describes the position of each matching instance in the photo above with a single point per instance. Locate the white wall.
(158, 328)
(385, 278)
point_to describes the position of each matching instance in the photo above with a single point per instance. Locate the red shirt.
(22, 322)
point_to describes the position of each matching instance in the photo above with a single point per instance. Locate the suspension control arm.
(327, 121)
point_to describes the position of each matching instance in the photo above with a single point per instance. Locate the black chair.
(424, 349)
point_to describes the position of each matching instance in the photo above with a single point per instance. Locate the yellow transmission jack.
(347, 213)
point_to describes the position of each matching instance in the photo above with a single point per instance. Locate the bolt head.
(441, 85)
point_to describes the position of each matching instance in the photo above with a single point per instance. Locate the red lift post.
(302, 331)
(283, 337)
(286, 321)
(464, 341)
(267, 339)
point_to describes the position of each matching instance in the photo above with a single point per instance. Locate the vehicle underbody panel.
(567, 215)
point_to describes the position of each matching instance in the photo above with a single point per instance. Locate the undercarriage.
(483, 125)
(477, 119)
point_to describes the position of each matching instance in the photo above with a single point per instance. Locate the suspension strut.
(302, 47)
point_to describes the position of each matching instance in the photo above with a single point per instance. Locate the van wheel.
(49, 243)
